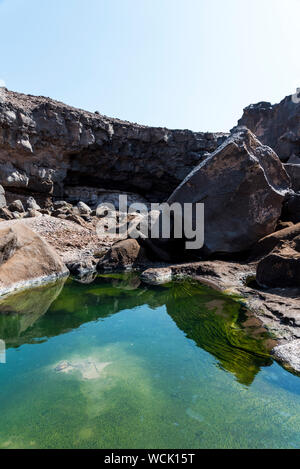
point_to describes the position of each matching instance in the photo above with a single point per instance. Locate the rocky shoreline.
(57, 164)
(277, 309)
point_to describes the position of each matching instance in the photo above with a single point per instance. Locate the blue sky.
(176, 63)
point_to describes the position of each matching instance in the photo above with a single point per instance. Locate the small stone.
(58, 212)
(83, 208)
(281, 225)
(16, 215)
(89, 368)
(63, 366)
(45, 211)
(76, 219)
(31, 204)
(6, 213)
(16, 206)
(62, 204)
(32, 213)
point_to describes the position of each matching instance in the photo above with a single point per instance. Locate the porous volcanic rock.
(47, 147)
(242, 185)
(277, 126)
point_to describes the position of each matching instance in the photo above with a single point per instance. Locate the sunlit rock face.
(48, 148)
(277, 126)
(25, 258)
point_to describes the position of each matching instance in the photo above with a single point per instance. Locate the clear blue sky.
(176, 63)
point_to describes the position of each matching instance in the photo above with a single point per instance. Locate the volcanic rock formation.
(277, 126)
(49, 149)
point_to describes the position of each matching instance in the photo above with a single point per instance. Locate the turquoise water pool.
(117, 364)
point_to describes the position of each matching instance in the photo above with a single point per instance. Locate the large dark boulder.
(279, 269)
(242, 184)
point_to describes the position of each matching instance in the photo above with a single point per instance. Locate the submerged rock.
(63, 366)
(62, 204)
(88, 368)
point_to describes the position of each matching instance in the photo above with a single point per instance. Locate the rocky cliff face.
(277, 126)
(49, 149)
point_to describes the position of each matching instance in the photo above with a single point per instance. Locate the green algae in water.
(117, 364)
